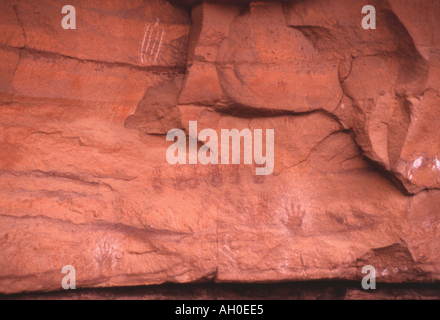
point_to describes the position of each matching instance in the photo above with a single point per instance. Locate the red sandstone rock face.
(84, 113)
(386, 75)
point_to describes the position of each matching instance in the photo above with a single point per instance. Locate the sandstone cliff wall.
(84, 179)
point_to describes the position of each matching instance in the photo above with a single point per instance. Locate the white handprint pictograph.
(151, 43)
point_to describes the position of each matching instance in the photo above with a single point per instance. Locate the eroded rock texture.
(84, 179)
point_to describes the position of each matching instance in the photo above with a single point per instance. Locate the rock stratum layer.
(84, 179)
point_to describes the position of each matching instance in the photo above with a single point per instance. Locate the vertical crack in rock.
(13, 76)
(19, 21)
(217, 235)
(20, 50)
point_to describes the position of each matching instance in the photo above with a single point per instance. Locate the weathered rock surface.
(264, 64)
(84, 113)
(385, 73)
(141, 33)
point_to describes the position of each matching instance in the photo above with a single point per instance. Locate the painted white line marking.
(143, 42)
(160, 45)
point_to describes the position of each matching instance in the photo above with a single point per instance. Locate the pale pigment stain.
(143, 42)
(432, 163)
(156, 34)
(160, 45)
(437, 164)
(415, 165)
(229, 254)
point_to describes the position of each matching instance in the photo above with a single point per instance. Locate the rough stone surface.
(386, 75)
(264, 64)
(84, 114)
(116, 32)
